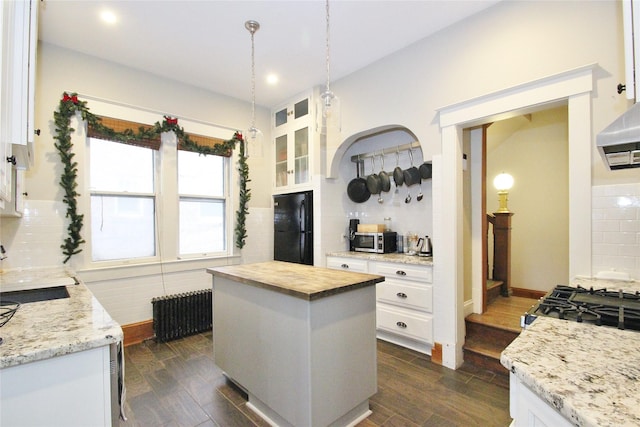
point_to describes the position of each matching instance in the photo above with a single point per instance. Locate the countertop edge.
(390, 257)
(357, 281)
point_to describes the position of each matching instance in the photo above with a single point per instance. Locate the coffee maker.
(353, 227)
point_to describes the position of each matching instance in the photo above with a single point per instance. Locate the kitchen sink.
(35, 295)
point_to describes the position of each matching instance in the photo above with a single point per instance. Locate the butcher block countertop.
(46, 329)
(297, 280)
(589, 373)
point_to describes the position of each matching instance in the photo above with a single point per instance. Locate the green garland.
(70, 105)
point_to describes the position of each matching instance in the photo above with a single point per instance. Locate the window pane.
(120, 167)
(200, 175)
(202, 227)
(122, 227)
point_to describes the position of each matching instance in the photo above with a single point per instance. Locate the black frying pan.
(357, 188)
(425, 170)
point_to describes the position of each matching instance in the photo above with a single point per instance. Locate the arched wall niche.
(368, 140)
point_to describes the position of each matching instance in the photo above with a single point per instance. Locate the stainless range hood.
(619, 143)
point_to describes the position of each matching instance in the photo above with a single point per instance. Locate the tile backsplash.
(616, 229)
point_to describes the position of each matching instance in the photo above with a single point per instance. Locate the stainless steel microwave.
(379, 243)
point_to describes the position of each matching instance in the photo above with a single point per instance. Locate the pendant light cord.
(253, 26)
(327, 43)
(253, 80)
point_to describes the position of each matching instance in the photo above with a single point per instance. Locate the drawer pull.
(401, 273)
(345, 266)
(401, 324)
(401, 295)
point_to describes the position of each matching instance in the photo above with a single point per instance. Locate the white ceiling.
(204, 43)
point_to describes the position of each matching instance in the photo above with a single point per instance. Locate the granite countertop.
(589, 373)
(392, 257)
(46, 329)
(297, 280)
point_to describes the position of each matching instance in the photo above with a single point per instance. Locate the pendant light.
(328, 108)
(254, 136)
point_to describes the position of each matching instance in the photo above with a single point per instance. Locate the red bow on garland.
(170, 120)
(238, 136)
(67, 98)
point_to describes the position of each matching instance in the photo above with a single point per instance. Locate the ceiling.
(205, 44)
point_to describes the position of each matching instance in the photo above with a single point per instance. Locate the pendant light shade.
(328, 108)
(253, 135)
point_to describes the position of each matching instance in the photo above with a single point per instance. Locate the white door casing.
(572, 88)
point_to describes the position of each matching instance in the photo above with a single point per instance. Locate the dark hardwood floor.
(177, 384)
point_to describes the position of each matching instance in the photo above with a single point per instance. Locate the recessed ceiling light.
(272, 79)
(108, 17)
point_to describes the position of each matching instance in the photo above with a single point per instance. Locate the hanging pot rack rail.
(357, 158)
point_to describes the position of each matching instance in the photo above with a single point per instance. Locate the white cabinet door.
(70, 390)
(293, 132)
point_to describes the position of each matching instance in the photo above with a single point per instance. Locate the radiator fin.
(181, 315)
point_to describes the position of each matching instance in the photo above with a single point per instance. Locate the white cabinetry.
(631, 19)
(355, 265)
(15, 205)
(19, 38)
(405, 304)
(528, 410)
(293, 141)
(70, 390)
(404, 301)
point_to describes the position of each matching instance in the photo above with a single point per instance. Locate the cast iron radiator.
(181, 315)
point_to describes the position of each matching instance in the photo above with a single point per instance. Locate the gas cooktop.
(594, 306)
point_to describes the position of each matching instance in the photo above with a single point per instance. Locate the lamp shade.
(503, 182)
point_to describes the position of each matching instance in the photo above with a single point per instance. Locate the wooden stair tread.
(484, 347)
(493, 283)
(496, 322)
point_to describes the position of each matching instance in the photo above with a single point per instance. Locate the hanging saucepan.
(373, 180)
(411, 175)
(357, 189)
(425, 170)
(385, 182)
(398, 176)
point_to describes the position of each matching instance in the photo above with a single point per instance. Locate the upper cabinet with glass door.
(293, 134)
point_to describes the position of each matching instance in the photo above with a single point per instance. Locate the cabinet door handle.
(401, 273)
(11, 160)
(401, 324)
(345, 266)
(401, 295)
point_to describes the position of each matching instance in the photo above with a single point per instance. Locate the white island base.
(303, 363)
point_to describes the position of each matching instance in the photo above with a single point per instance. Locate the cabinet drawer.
(405, 271)
(416, 296)
(357, 265)
(412, 325)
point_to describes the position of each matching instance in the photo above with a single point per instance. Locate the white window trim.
(167, 244)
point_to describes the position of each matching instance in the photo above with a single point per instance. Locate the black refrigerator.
(293, 227)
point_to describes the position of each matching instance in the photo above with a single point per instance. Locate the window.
(154, 199)
(202, 209)
(121, 182)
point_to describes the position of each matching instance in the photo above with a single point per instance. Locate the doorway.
(572, 88)
(533, 148)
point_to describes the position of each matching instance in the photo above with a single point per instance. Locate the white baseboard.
(468, 307)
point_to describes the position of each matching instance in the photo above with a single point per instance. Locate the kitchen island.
(300, 340)
(56, 356)
(567, 373)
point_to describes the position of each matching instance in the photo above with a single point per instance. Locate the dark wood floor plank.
(178, 384)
